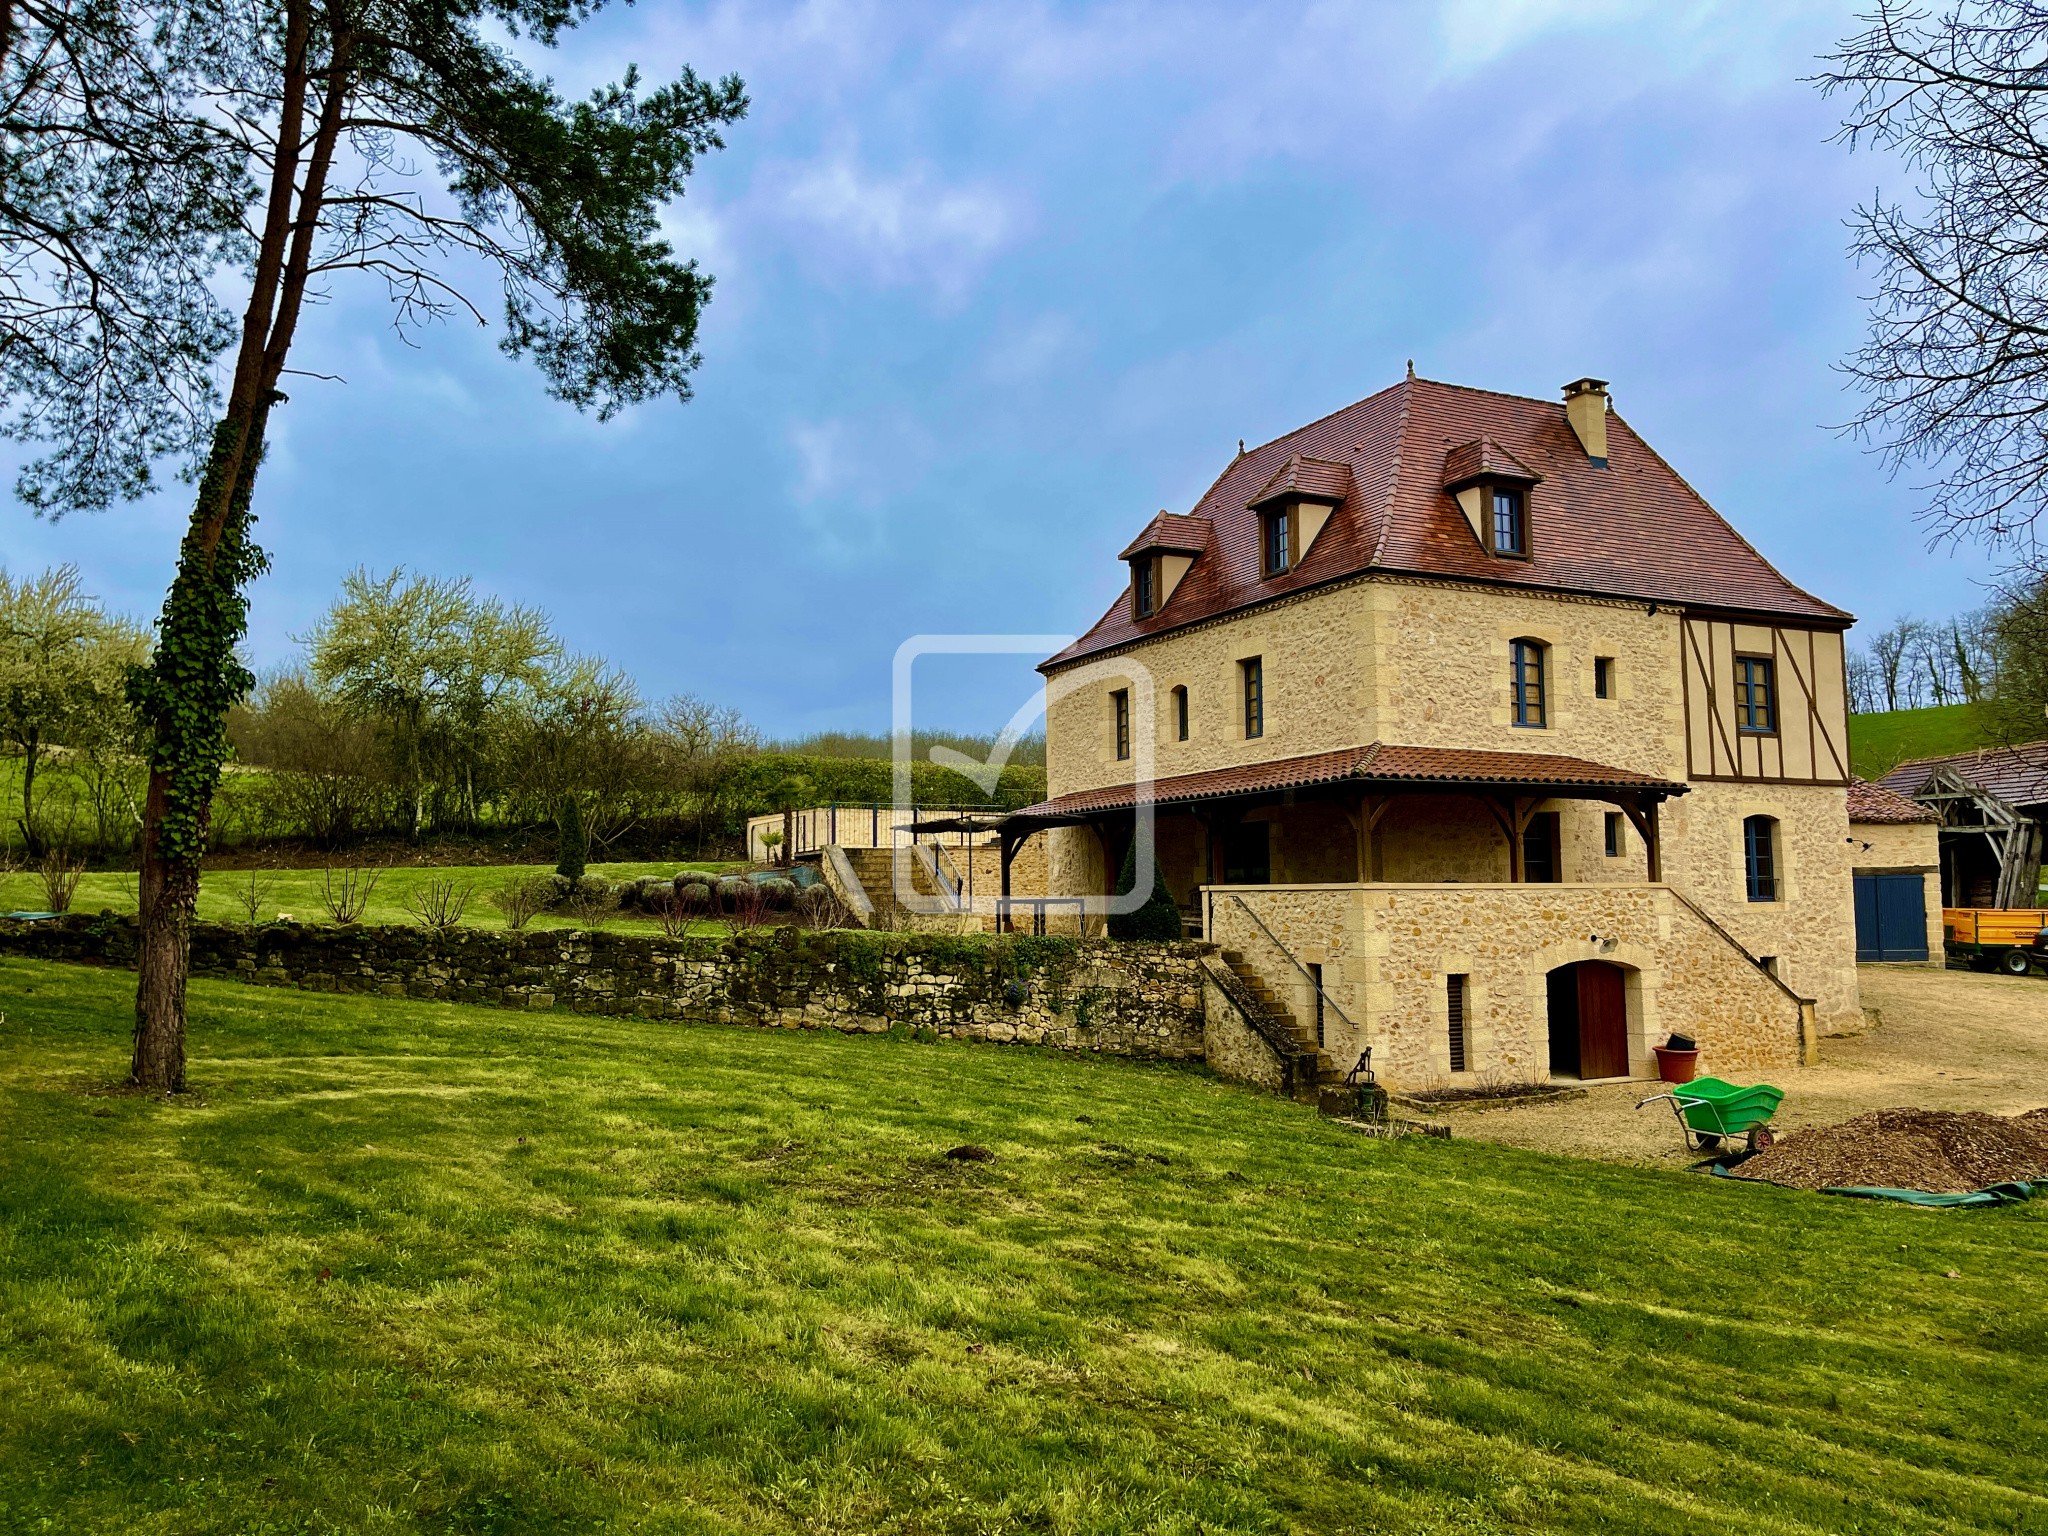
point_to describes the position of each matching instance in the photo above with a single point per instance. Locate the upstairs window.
(1144, 587)
(1756, 696)
(1510, 525)
(1603, 677)
(1120, 717)
(1526, 683)
(1276, 553)
(1760, 857)
(1253, 670)
(1180, 714)
(1614, 834)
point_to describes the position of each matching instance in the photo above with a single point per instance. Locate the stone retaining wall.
(1120, 999)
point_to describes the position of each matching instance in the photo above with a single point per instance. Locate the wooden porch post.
(1641, 811)
(1009, 845)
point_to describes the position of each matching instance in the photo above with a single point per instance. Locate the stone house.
(1473, 734)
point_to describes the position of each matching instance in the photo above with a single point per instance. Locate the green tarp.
(1992, 1194)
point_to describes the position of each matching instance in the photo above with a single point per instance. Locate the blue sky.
(996, 283)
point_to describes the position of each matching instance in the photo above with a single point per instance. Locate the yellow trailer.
(2011, 939)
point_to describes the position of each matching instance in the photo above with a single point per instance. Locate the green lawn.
(297, 892)
(413, 1267)
(1879, 743)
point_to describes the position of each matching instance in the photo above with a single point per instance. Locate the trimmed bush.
(574, 844)
(1159, 919)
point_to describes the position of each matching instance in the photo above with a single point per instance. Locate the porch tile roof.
(1870, 802)
(1378, 763)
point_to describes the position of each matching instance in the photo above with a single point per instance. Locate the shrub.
(780, 894)
(746, 904)
(592, 903)
(1159, 919)
(345, 893)
(524, 898)
(574, 843)
(250, 893)
(439, 903)
(819, 906)
(60, 876)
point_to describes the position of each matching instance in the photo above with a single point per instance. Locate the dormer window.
(1160, 557)
(1491, 487)
(1276, 555)
(1510, 522)
(1144, 587)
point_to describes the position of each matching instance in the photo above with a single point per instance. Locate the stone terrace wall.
(1120, 999)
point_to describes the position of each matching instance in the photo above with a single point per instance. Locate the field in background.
(1879, 743)
(297, 892)
(413, 1266)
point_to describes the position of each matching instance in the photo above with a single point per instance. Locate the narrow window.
(1510, 523)
(1760, 857)
(1528, 682)
(1603, 677)
(1455, 995)
(1756, 704)
(1254, 696)
(1276, 553)
(1315, 974)
(1180, 714)
(1141, 587)
(1120, 707)
(1614, 834)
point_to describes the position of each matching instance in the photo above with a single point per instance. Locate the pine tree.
(574, 844)
(1159, 919)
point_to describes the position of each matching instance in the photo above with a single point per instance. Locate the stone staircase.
(1312, 1069)
(875, 869)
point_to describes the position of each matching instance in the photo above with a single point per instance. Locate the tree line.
(1995, 657)
(420, 709)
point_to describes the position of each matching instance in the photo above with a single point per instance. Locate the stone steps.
(1277, 1011)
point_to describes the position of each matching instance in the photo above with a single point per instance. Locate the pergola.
(1367, 782)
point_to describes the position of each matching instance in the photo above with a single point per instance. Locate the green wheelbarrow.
(1711, 1112)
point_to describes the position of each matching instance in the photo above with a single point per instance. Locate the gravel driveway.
(1938, 1040)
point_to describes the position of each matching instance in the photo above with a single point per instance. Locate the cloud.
(903, 228)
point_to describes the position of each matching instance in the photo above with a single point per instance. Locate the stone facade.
(1888, 847)
(1118, 999)
(1387, 952)
(1426, 663)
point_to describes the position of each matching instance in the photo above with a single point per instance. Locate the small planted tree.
(573, 844)
(1159, 918)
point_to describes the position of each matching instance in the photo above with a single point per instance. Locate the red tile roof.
(1379, 764)
(1873, 803)
(1172, 532)
(2018, 774)
(1634, 529)
(1309, 479)
(1481, 457)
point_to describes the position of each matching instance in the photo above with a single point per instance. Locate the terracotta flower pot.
(1676, 1066)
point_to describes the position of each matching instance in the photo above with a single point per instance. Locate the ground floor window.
(1455, 986)
(1760, 857)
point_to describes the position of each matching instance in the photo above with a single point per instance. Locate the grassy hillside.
(296, 893)
(410, 1267)
(1879, 743)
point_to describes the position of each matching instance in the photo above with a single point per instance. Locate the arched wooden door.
(1588, 1020)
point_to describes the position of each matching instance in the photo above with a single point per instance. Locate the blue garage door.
(1891, 917)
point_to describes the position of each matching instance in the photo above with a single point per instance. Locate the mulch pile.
(1937, 1151)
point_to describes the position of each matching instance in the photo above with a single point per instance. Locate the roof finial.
(1240, 447)
(1411, 368)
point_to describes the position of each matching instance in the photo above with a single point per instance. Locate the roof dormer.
(1491, 487)
(1160, 557)
(1293, 507)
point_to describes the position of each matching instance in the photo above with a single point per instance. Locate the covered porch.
(1362, 815)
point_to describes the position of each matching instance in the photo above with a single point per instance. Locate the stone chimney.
(1585, 407)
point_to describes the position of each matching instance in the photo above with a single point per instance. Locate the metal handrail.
(951, 873)
(1306, 974)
